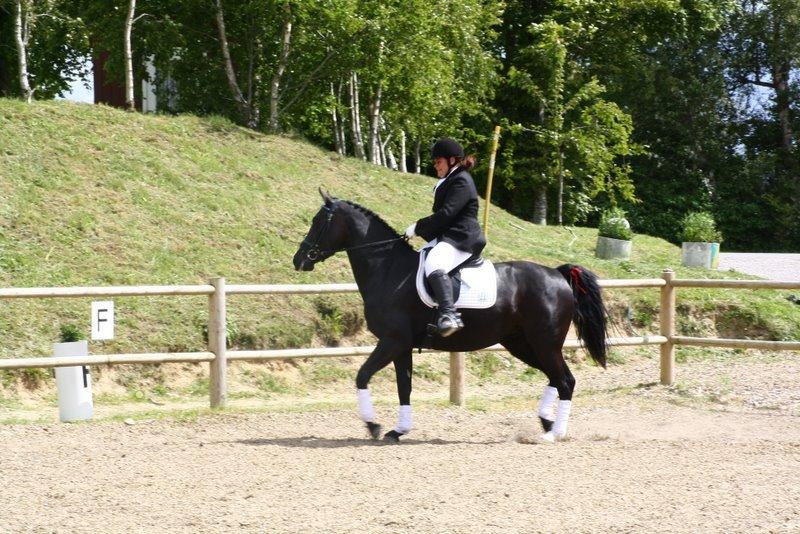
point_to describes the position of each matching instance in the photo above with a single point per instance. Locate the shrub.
(70, 333)
(35, 377)
(335, 323)
(699, 227)
(613, 224)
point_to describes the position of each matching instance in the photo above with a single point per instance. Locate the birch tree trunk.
(130, 103)
(417, 159)
(282, 61)
(253, 45)
(21, 36)
(341, 131)
(247, 112)
(403, 151)
(387, 157)
(540, 206)
(560, 186)
(355, 117)
(391, 161)
(780, 78)
(374, 126)
(337, 139)
(381, 154)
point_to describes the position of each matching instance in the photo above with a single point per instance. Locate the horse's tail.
(591, 317)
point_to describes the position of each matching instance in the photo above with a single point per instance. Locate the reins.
(314, 251)
(372, 244)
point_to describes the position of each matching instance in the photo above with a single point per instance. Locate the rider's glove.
(410, 231)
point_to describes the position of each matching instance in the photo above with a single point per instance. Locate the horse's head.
(328, 233)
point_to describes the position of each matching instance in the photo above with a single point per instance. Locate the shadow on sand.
(314, 442)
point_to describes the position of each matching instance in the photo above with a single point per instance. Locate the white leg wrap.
(548, 402)
(562, 417)
(403, 420)
(365, 409)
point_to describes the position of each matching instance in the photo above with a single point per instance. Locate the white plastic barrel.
(74, 384)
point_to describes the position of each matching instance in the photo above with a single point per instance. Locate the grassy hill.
(91, 195)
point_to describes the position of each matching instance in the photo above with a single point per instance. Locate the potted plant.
(73, 383)
(614, 236)
(700, 240)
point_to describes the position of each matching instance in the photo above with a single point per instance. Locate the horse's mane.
(373, 216)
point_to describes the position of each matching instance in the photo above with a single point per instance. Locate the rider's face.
(441, 165)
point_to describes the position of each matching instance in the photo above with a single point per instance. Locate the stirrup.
(449, 323)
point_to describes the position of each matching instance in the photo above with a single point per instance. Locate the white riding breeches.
(445, 257)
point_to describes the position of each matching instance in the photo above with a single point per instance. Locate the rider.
(453, 227)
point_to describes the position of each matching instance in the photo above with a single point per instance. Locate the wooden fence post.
(457, 373)
(495, 141)
(667, 320)
(217, 338)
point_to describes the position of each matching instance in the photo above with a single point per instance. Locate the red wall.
(107, 91)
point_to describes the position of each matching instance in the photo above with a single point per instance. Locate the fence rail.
(106, 359)
(110, 291)
(218, 356)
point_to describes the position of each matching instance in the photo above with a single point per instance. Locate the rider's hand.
(410, 231)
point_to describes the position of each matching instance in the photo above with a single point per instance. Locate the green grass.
(427, 371)
(90, 195)
(485, 365)
(325, 371)
(265, 382)
(198, 388)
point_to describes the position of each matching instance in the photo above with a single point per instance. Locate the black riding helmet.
(447, 148)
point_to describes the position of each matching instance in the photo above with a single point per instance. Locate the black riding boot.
(449, 320)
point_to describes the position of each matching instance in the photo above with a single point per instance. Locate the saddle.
(474, 283)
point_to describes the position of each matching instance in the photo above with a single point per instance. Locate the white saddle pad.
(478, 286)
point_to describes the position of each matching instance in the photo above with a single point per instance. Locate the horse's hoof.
(551, 437)
(374, 430)
(392, 436)
(547, 424)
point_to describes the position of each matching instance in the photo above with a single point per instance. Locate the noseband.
(314, 253)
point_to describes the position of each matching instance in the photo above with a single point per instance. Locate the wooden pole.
(495, 142)
(457, 372)
(667, 320)
(217, 334)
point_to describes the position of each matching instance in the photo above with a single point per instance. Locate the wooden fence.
(218, 356)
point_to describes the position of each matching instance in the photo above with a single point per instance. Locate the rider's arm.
(436, 224)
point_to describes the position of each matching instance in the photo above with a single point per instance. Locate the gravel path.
(718, 452)
(781, 267)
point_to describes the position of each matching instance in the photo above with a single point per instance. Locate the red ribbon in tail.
(575, 274)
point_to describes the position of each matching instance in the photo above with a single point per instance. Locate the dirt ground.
(717, 452)
(772, 266)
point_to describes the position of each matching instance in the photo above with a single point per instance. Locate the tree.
(274, 93)
(130, 103)
(581, 137)
(659, 62)
(762, 51)
(42, 50)
(763, 46)
(248, 110)
(22, 27)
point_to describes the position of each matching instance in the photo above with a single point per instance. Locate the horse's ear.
(325, 196)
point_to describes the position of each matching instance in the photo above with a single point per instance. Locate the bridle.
(314, 253)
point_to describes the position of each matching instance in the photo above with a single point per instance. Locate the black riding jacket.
(455, 214)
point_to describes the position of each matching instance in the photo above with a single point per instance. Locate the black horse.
(534, 308)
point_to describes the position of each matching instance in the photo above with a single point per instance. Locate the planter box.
(612, 249)
(74, 384)
(705, 255)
